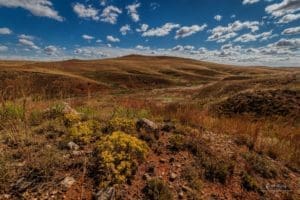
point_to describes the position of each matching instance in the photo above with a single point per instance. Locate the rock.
(5, 196)
(73, 146)
(168, 126)
(106, 194)
(180, 195)
(68, 109)
(146, 177)
(147, 125)
(173, 176)
(186, 188)
(77, 153)
(68, 181)
(162, 160)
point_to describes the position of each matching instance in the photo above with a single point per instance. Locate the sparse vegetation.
(147, 129)
(156, 189)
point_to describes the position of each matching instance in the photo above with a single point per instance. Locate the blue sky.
(244, 32)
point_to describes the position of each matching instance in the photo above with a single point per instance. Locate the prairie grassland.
(148, 128)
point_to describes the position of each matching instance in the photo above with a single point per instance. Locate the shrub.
(249, 183)
(121, 124)
(261, 165)
(192, 176)
(177, 142)
(218, 170)
(156, 189)
(36, 117)
(11, 111)
(245, 140)
(83, 131)
(119, 155)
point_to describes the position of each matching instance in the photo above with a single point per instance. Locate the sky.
(242, 32)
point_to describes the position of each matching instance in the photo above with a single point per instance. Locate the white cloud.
(289, 18)
(110, 14)
(5, 31)
(28, 43)
(87, 37)
(86, 12)
(292, 44)
(250, 1)
(103, 2)
(132, 11)
(283, 8)
(3, 48)
(98, 41)
(223, 33)
(41, 8)
(249, 37)
(218, 17)
(124, 29)
(143, 28)
(186, 31)
(291, 31)
(27, 37)
(140, 47)
(51, 50)
(160, 31)
(112, 39)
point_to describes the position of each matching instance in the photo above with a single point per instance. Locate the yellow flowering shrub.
(122, 124)
(119, 155)
(83, 131)
(71, 118)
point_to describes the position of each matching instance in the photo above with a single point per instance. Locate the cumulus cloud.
(283, 8)
(223, 33)
(86, 11)
(291, 31)
(292, 44)
(87, 37)
(132, 11)
(186, 31)
(110, 14)
(112, 39)
(27, 37)
(5, 31)
(124, 29)
(289, 18)
(249, 37)
(41, 8)
(250, 1)
(51, 50)
(141, 47)
(89, 52)
(28, 43)
(218, 17)
(143, 28)
(3, 48)
(160, 31)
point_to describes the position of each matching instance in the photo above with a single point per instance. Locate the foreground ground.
(148, 128)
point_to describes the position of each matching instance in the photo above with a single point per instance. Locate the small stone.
(146, 177)
(68, 181)
(180, 195)
(186, 188)
(73, 146)
(77, 153)
(162, 160)
(106, 194)
(173, 176)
